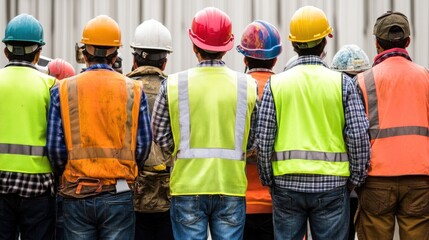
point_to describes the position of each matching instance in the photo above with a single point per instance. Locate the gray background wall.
(352, 20)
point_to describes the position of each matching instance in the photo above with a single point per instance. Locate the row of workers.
(293, 145)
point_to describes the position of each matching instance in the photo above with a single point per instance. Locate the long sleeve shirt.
(355, 135)
(57, 152)
(161, 127)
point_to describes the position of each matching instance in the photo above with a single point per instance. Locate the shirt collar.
(21, 64)
(260, 70)
(99, 66)
(307, 60)
(211, 63)
(394, 52)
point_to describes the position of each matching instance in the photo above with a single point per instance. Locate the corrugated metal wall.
(353, 20)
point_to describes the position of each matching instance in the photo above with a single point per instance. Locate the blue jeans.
(33, 218)
(105, 216)
(327, 212)
(191, 215)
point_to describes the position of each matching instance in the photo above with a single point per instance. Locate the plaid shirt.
(355, 135)
(161, 127)
(25, 185)
(56, 146)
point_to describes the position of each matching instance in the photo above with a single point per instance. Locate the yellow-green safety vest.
(24, 97)
(310, 122)
(210, 110)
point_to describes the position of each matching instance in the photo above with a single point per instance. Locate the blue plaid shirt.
(355, 135)
(161, 127)
(55, 143)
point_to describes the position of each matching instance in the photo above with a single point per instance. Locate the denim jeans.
(33, 217)
(327, 212)
(191, 215)
(105, 216)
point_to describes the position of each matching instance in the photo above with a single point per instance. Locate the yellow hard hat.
(309, 24)
(102, 31)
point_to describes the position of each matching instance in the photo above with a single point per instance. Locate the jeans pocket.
(376, 200)
(332, 204)
(233, 210)
(187, 209)
(416, 203)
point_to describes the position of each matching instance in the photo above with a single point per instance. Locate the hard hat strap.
(22, 50)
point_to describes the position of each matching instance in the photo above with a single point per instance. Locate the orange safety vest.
(100, 111)
(258, 199)
(396, 94)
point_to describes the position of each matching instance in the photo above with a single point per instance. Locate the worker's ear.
(36, 57)
(408, 42)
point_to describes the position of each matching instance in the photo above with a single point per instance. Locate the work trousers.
(381, 199)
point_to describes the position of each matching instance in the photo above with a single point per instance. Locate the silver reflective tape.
(22, 149)
(311, 155)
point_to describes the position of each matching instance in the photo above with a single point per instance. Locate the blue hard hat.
(24, 28)
(260, 40)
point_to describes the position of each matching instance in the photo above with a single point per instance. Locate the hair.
(316, 50)
(140, 61)
(260, 63)
(209, 55)
(106, 60)
(26, 57)
(386, 44)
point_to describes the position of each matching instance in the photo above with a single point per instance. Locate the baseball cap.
(386, 21)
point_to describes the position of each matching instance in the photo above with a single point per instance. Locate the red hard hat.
(60, 69)
(212, 30)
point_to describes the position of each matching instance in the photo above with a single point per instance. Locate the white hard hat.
(350, 58)
(151, 34)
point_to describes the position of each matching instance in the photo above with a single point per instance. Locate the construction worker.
(351, 60)
(396, 93)
(260, 45)
(151, 44)
(27, 194)
(98, 136)
(205, 116)
(312, 137)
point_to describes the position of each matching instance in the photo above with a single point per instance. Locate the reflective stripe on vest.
(310, 155)
(375, 131)
(240, 120)
(81, 153)
(22, 149)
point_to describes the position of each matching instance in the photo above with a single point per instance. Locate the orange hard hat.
(102, 31)
(60, 69)
(211, 30)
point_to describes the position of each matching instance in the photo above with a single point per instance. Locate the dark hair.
(316, 50)
(386, 44)
(140, 61)
(26, 57)
(260, 63)
(106, 60)
(209, 55)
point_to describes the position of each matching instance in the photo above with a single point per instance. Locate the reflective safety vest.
(310, 122)
(258, 199)
(24, 97)
(210, 110)
(100, 111)
(396, 94)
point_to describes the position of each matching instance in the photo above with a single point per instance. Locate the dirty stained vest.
(99, 110)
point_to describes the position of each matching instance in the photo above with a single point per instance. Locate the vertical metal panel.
(63, 21)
